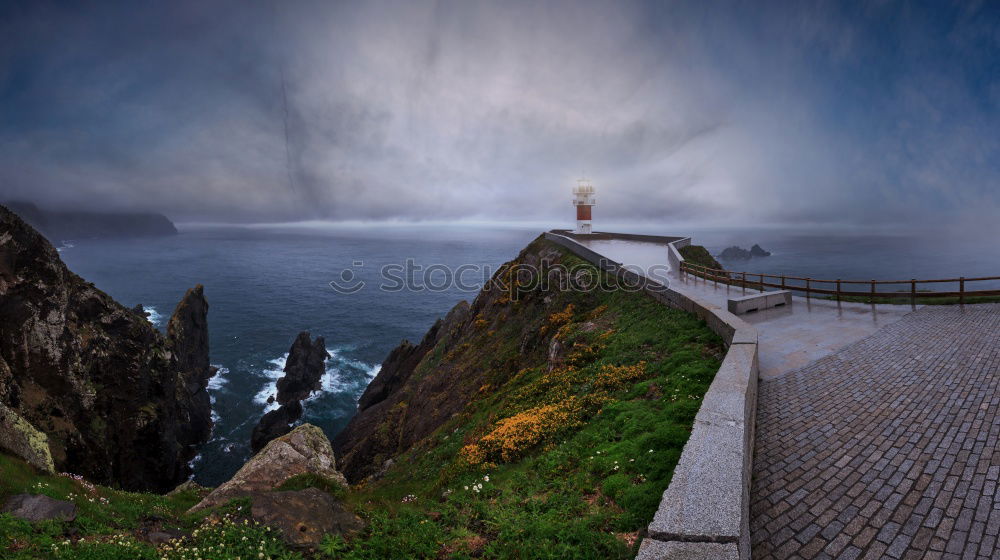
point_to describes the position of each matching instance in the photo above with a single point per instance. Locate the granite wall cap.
(658, 550)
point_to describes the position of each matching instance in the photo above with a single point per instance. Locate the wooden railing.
(758, 281)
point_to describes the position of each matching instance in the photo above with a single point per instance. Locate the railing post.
(762, 283)
(913, 291)
(744, 282)
(873, 292)
(782, 281)
(808, 291)
(838, 289)
(961, 290)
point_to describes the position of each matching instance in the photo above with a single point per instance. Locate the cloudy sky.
(785, 112)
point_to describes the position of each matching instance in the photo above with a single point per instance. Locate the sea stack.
(304, 369)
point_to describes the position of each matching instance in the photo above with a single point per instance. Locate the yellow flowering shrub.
(613, 378)
(514, 436)
(562, 317)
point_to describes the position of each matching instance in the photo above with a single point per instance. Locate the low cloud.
(809, 112)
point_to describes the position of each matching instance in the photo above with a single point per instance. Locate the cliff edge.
(118, 401)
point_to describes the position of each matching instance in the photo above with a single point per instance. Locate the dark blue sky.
(790, 112)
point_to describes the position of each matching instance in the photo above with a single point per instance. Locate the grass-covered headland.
(562, 452)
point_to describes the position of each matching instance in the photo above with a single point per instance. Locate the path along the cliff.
(877, 425)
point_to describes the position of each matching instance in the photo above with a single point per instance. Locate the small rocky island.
(738, 253)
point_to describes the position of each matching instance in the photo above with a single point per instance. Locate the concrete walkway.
(790, 337)
(887, 448)
(878, 433)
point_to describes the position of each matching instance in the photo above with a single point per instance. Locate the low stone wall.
(704, 513)
(604, 235)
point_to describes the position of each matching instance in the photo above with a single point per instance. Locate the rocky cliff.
(118, 401)
(464, 356)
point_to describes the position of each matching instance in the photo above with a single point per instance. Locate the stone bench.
(756, 302)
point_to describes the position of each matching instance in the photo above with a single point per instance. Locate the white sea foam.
(154, 316)
(65, 245)
(336, 380)
(273, 373)
(218, 380)
(340, 377)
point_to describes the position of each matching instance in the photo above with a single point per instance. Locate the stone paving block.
(888, 446)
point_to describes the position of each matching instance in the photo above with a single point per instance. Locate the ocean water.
(265, 284)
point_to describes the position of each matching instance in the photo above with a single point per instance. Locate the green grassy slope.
(566, 457)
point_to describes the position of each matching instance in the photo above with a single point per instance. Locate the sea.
(365, 288)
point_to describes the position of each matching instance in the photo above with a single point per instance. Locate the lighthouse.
(583, 200)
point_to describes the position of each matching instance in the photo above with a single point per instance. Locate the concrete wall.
(705, 512)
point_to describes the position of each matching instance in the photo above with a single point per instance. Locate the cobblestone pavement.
(887, 448)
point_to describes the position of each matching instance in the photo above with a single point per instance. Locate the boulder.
(305, 450)
(303, 516)
(38, 507)
(20, 438)
(190, 485)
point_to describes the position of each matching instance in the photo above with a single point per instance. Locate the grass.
(699, 255)
(548, 460)
(580, 482)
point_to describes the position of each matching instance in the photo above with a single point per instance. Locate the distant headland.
(67, 224)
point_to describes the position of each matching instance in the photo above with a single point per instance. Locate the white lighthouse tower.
(583, 200)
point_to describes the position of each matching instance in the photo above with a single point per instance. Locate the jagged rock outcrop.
(461, 357)
(57, 225)
(119, 402)
(758, 251)
(305, 450)
(21, 439)
(275, 424)
(304, 370)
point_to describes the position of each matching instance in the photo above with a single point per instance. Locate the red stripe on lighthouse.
(583, 212)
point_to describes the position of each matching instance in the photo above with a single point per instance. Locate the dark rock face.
(758, 251)
(81, 225)
(36, 507)
(275, 424)
(303, 371)
(303, 516)
(119, 402)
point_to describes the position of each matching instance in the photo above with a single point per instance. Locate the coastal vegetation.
(578, 405)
